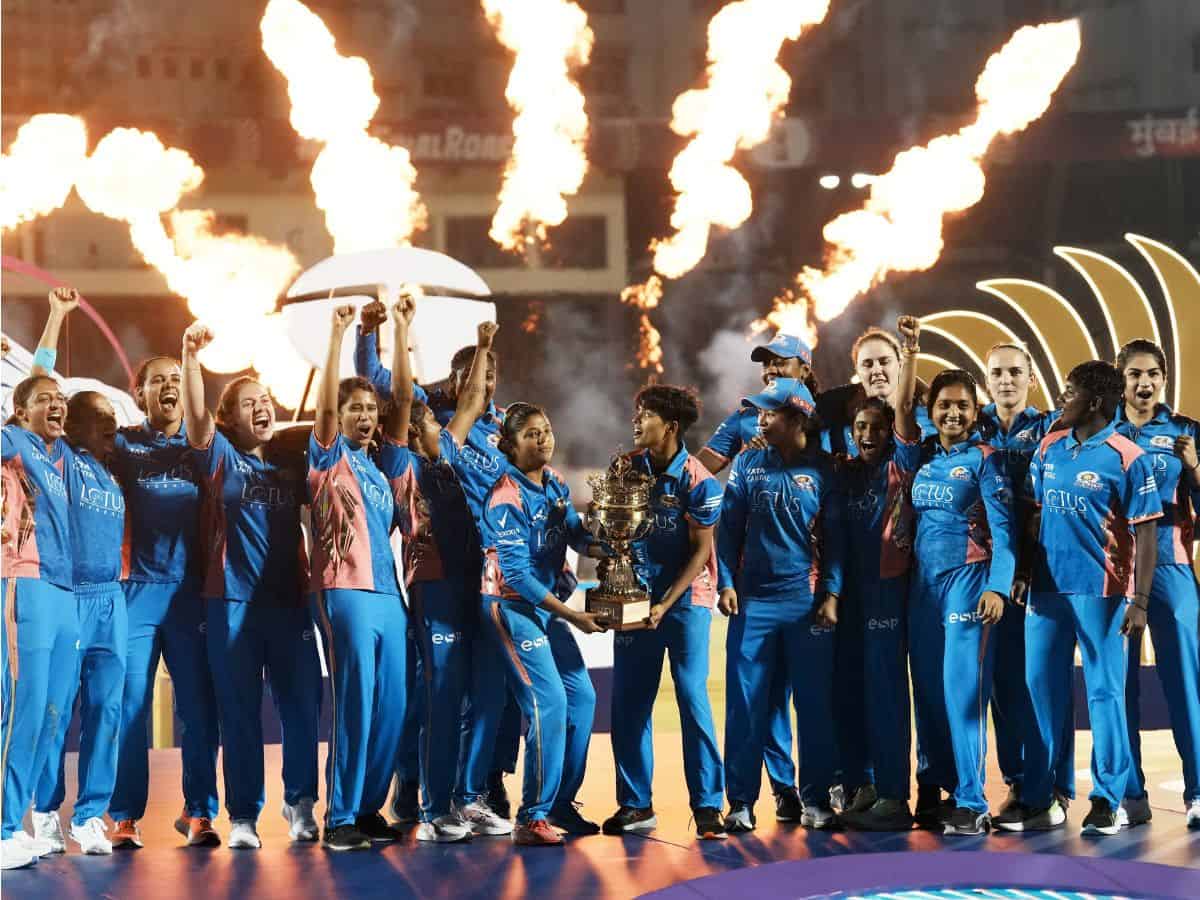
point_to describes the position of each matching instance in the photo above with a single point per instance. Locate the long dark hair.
(515, 417)
(143, 372)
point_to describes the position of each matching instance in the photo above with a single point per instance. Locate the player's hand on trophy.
(587, 622)
(727, 603)
(657, 611)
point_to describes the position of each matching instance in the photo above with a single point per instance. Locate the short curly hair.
(1102, 381)
(671, 403)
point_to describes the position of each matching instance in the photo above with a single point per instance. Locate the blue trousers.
(244, 639)
(408, 759)
(1173, 615)
(555, 695)
(683, 635)
(754, 654)
(777, 752)
(926, 658)
(167, 619)
(849, 688)
(886, 704)
(1053, 625)
(366, 651)
(40, 662)
(99, 686)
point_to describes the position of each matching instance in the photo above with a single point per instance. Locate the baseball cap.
(785, 346)
(783, 392)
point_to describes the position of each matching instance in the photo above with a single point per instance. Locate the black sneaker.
(629, 819)
(1012, 804)
(929, 806)
(406, 807)
(1102, 819)
(346, 837)
(884, 814)
(497, 797)
(788, 807)
(570, 820)
(740, 818)
(1023, 817)
(709, 824)
(376, 828)
(967, 821)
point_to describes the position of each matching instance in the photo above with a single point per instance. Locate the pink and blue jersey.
(775, 539)
(253, 549)
(35, 475)
(879, 520)
(738, 430)
(97, 519)
(526, 528)
(963, 501)
(352, 515)
(1180, 502)
(162, 496)
(440, 535)
(1090, 495)
(1017, 445)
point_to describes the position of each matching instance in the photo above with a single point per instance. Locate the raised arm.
(366, 346)
(472, 399)
(325, 428)
(906, 416)
(62, 301)
(402, 383)
(197, 419)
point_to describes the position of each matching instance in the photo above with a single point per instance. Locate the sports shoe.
(48, 827)
(538, 833)
(1020, 817)
(864, 798)
(14, 855)
(481, 819)
(127, 835)
(406, 807)
(497, 797)
(1102, 819)
(92, 837)
(345, 837)
(709, 824)
(243, 835)
(447, 829)
(376, 828)
(1134, 811)
(629, 819)
(302, 825)
(570, 820)
(964, 821)
(39, 847)
(1011, 806)
(1193, 815)
(883, 815)
(837, 796)
(929, 806)
(198, 830)
(788, 807)
(818, 817)
(739, 819)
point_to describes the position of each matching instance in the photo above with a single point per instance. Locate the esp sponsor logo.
(452, 637)
(884, 624)
(963, 618)
(528, 645)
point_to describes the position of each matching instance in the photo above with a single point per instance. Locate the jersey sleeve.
(11, 442)
(1031, 490)
(726, 441)
(731, 531)
(367, 364)
(208, 459)
(397, 465)
(704, 502)
(995, 489)
(451, 451)
(1139, 493)
(321, 459)
(509, 528)
(907, 454)
(577, 534)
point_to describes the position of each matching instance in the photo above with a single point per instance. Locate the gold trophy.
(618, 515)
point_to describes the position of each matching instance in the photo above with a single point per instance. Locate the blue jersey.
(526, 529)
(162, 497)
(734, 433)
(41, 548)
(963, 501)
(839, 439)
(478, 463)
(685, 493)
(778, 532)
(1016, 446)
(431, 511)
(97, 519)
(1090, 495)
(254, 550)
(879, 521)
(367, 364)
(352, 515)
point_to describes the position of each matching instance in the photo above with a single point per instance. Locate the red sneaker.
(127, 834)
(198, 830)
(538, 833)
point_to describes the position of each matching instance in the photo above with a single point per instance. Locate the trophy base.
(619, 612)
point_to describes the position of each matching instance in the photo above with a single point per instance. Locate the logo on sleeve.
(1089, 480)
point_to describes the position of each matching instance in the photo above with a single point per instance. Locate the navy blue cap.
(785, 346)
(783, 392)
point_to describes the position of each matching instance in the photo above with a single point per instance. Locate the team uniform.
(165, 618)
(965, 545)
(683, 494)
(258, 618)
(97, 520)
(1173, 605)
(1090, 495)
(526, 530)
(776, 546)
(41, 621)
(364, 623)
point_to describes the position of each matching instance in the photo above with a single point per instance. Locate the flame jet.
(40, 168)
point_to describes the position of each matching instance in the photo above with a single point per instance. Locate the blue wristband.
(45, 358)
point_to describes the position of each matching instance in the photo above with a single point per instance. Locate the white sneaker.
(14, 854)
(302, 824)
(36, 846)
(1193, 815)
(48, 827)
(244, 836)
(481, 820)
(91, 837)
(448, 829)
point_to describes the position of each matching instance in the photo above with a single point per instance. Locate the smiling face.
(1009, 378)
(533, 444)
(878, 367)
(251, 417)
(1144, 380)
(953, 412)
(358, 417)
(870, 429)
(159, 393)
(784, 367)
(45, 411)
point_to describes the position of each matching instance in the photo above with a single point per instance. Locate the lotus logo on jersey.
(1161, 440)
(960, 473)
(804, 482)
(1089, 480)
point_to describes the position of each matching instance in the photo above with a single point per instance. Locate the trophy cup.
(618, 515)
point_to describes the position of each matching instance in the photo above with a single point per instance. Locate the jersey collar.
(150, 430)
(1162, 415)
(991, 418)
(961, 447)
(1095, 440)
(674, 468)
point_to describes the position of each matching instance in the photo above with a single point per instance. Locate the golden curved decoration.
(981, 332)
(1126, 308)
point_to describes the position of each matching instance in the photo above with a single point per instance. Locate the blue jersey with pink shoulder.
(41, 548)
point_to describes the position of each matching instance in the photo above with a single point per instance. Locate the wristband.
(46, 358)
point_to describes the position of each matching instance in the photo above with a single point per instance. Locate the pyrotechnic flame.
(549, 38)
(646, 297)
(364, 186)
(745, 94)
(899, 228)
(37, 173)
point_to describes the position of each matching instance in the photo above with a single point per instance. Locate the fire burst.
(37, 173)
(549, 38)
(646, 297)
(899, 228)
(365, 187)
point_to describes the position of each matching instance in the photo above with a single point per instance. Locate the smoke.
(402, 20)
(115, 36)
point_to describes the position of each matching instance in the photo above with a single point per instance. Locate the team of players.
(862, 531)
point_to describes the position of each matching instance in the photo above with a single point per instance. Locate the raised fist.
(487, 331)
(343, 316)
(374, 314)
(196, 338)
(406, 308)
(910, 333)
(64, 299)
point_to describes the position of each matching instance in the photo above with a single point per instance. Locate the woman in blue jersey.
(528, 521)
(965, 554)
(1169, 440)
(256, 609)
